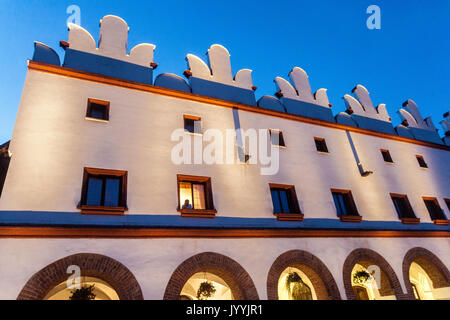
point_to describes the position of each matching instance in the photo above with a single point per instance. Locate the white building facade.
(152, 187)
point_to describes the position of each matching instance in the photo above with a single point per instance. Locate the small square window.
(103, 191)
(404, 209)
(345, 205)
(192, 124)
(321, 145)
(285, 203)
(98, 109)
(435, 211)
(276, 138)
(386, 156)
(421, 161)
(195, 196)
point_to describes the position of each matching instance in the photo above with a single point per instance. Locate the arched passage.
(365, 258)
(91, 265)
(223, 267)
(313, 268)
(433, 267)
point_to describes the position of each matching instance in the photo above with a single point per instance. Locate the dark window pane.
(284, 201)
(276, 138)
(97, 111)
(276, 201)
(94, 191)
(422, 162)
(402, 207)
(339, 203)
(434, 209)
(112, 192)
(386, 156)
(321, 145)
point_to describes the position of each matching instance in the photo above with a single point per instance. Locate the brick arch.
(390, 285)
(321, 278)
(428, 261)
(230, 271)
(91, 264)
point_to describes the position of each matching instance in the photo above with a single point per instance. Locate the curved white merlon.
(112, 43)
(302, 90)
(219, 69)
(410, 112)
(363, 106)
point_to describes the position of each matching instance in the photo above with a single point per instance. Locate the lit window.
(386, 156)
(345, 205)
(98, 109)
(276, 138)
(421, 161)
(103, 191)
(321, 145)
(195, 196)
(435, 211)
(192, 124)
(404, 209)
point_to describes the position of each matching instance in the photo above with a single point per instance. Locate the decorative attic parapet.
(446, 126)
(111, 57)
(300, 100)
(364, 114)
(417, 127)
(216, 79)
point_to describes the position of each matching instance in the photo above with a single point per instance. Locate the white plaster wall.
(52, 142)
(153, 261)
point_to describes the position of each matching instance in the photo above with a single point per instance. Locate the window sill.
(199, 134)
(193, 213)
(278, 146)
(350, 218)
(323, 152)
(102, 210)
(289, 216)
(97, 120)
(441, 222)
(410, 220)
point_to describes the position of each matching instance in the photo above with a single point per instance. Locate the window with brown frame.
(421, 161)
(345, 205)
(104, 191)
(98, 109)
(276, 138)
(435, 211)
(192, 124)
(195, 196)
(386, 156)
(285, 202)
(321, 145)
(404, 210)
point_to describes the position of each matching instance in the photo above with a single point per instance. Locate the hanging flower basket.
(83, 293)
(205, 291)
(361, 277)
(296, 288)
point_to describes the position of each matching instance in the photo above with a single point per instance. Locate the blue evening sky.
(407, 58)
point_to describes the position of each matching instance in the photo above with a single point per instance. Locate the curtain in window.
(199, 196)
(185, 194)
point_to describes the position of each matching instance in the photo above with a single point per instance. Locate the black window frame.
(99, 104)
(291, 196)
(281, 142)
(321, 145)
(347, 200)
(421, 161)
(189, 124)
(434, 209)
(403, 206)
(386, 156)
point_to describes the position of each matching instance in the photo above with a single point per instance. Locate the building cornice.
(207, 233)
(87, 76)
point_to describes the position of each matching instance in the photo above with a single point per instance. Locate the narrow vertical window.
(421, 161)
(404, 209)
(98, 109)
(321, 145)
(386, 156)
(345, 205)
(285, 202)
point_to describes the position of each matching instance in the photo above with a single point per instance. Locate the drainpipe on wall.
(243, 157)
(363, 172)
